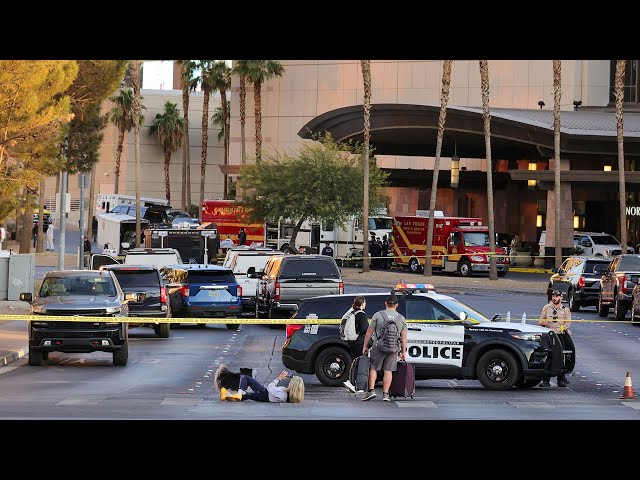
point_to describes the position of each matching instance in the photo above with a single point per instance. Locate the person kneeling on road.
(227, 380)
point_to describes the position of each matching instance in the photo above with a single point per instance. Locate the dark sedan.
(578, 278)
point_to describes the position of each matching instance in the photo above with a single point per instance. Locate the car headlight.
(112, 310)
(477, 258)
(38, 309)
(530, 337)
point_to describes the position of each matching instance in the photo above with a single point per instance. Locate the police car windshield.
(456, 307)
(476, 239)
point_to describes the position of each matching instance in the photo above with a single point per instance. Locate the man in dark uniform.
(242, 237)
(327, 250)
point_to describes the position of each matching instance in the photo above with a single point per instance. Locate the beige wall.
(152, 156)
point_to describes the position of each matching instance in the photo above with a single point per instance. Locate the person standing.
(49, 239)
(327, 250)
(242, 237)
(557, 317)
(34, 233)
(362, 324)
(385, 252)
(94, 229)
(384, 360)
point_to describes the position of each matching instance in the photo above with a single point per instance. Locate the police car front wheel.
(498, 370)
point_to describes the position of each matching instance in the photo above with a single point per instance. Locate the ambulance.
(460, 244)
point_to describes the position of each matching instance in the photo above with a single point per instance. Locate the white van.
(594, 244)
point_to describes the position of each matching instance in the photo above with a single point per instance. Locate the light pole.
(82, 179)
(62, 205)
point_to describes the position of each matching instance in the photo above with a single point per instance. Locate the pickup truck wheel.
(332, 366)
(619, 310)
(35, 358)
(121, 356)
(603, 310)
(574, 305)
(414, 265)
(465, 268)
(45, 355)
(498, 370)
(232, 326)
(164, 330)
(502, 274)
(634, 314)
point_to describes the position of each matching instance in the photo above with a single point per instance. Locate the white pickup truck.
(158, 257)
(248, 265)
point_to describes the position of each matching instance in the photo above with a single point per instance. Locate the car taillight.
(184, 290)
(163, 295)
(239, 291)
(623, 283)
(581, 282)
(292, 328)
(276, 292)
(341, 288)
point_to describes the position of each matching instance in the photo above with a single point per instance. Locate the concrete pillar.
(566, 220)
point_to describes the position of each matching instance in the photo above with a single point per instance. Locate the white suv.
(594, 244)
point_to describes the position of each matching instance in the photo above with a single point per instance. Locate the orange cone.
(627, 393)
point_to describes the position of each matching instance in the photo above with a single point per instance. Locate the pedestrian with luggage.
(390, 330)
(361, 322)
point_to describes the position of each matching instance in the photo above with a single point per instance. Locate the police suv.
(454, 341)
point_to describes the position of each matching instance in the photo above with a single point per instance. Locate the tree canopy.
(322, 181)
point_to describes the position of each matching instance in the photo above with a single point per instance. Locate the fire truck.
(229, 217)
(460, 244)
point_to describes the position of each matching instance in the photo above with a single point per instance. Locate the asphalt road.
(173, 379)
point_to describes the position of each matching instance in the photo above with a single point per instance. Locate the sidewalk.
(13, 343)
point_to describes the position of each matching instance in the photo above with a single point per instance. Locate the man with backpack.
(353, 328)
(390, 329)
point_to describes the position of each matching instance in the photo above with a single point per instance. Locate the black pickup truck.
(616, 285)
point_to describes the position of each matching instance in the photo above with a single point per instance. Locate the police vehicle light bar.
(414, 287)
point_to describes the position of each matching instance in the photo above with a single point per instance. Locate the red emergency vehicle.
(460, 244)
(230, 217)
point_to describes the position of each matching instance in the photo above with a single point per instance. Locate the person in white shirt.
(49, 238)
(274, 392)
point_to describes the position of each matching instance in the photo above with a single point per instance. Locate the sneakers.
(236, 397)
(386, 397)
(349, 386)
(370, 394)
(545, 384)
(223, 393)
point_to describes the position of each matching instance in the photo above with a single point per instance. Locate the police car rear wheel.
(332, 366)
(498, 370)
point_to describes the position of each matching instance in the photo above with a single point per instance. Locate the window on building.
(631, 82)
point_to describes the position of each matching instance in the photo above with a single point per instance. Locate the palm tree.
(187, 68)
(366, 81)
(444, 100)
(121, 116)
(484, 81)
(259, 72)
(241, 68)
(135, 103)
(557, 94)
(222, 83)
(218, 119)
(620, 67)
(169, 128)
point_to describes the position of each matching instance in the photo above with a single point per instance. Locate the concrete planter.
(538, 262)
(522, 259)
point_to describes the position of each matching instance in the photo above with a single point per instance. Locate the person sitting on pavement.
(275, 392)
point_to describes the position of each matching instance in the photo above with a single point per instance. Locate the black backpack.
(389, 339)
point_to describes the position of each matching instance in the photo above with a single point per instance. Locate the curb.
(530, 270)
(7, 357)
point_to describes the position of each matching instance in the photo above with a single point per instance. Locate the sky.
(158, 75)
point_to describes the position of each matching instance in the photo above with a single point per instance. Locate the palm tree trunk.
(444, 100)
(27, 222)
(225, 114)
(185, 140)
(257, 95)
(167, 179)
(205, 140)
(92, 203)
(40, 242)
(366, 81)
(557, 95)
(135, 74)
(484, 79)
(118, 157)
(620, 67)
(243, 105)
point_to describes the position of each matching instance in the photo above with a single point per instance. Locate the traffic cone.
(627, 393)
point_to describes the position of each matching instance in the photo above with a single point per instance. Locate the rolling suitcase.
(403, 382)
(359, 374)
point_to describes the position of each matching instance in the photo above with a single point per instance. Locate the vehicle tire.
(332, 366)
(259, 314)
(45, 355)
(603, 310)
(574, 305)
(414, 265)
(527, 384)
(35, 358)
(464, 268)
(633, 316)
(164, 330)
(232, 326)
(502, 274)
(498, 370)
(121, 356)
(619, 310)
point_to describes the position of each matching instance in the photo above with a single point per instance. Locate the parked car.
(248, 264)
(197, 290)
(593, 244)
(616, 285)
(159, 257)
(457, 343)
(80, 293)
(578, 278)
(635, 299)
(147, 279)
(288, 279)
